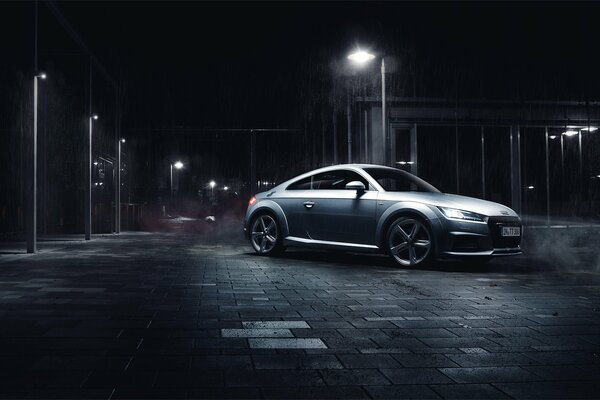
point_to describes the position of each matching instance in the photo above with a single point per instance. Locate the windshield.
(395, 180)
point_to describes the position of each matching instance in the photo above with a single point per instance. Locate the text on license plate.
(510, 231)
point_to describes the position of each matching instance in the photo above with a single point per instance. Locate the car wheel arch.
(272, 208)
(415, 210)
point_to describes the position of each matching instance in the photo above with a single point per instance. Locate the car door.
(335, 214)
(291, 202)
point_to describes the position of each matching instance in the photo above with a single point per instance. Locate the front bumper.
(472, 239)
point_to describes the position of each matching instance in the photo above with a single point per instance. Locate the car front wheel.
(410, 242)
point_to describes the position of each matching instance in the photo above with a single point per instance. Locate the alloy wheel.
(264, 234)
(409, 242)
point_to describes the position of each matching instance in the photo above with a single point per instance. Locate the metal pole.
(252, 162)
(118, 190)
(547, 182)
(335, 143)
(457, 164)
(349, 129)
(171, 180)
(562, 171)
(32, 219)
(386, 160)
(482, 162)
(88, 184)
(366, 136)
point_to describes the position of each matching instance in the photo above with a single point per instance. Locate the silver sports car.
(370, 208)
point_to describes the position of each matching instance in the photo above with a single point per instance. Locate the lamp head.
(178, 165)
(212, 184)
(361, 57)
(94, 116)
(122, 140)
(41, 75)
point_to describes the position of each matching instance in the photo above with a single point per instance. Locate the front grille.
(495, 225)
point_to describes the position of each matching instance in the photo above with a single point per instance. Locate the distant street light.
(360, 58)
(32, 197)
(177, 165)
(212, 185)
(530, 187)
(118, 188)
(226, 188)
(88, 181)
(570, 133)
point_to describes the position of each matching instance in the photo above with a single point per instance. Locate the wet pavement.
(175, 315)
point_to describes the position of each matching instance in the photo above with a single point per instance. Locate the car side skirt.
(303, 242)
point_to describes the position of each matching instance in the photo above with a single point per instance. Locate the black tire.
(265, 235)
(413, 248)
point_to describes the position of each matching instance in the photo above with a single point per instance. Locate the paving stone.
(468, 391)
(252, 333)
(302, 343)
(424, 360)
(363, 377)
(401, 392)
(425, 376)
(489, 374)
(368, 361)
(286, 361)
(274, 324)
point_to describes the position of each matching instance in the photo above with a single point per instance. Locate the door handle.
(309, 204)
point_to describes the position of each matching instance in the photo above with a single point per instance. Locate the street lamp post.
(361, 57)
(118, 188)
(212, 191)
(88, 181)
(32, 198)
(177, 165)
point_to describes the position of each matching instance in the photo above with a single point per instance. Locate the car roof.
(354, 167)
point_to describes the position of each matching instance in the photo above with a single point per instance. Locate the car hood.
(472, 204)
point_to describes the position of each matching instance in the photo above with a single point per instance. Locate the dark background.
(167, 75)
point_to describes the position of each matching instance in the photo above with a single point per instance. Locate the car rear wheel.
(265, 235)
(410, 242)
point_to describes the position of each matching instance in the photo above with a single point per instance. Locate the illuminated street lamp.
(88, 181)
(212, 185)
(360, 58)
(225, 188)
(32, 197)
(177, 165)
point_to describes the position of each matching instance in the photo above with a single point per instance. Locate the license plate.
(510, 231)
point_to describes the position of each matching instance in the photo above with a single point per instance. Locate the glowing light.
(570, 133)
(94, 116)
(552, 137)
(590, 129)
(361, 57)
(178, 165)
(530, 187)
(252, 200)
(212, 184)
(226, 188)
(42, 75)
(122, 140)
(95, 162)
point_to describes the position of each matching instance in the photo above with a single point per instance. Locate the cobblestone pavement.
(170, 315)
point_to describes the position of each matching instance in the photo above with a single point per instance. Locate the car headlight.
(453, 213)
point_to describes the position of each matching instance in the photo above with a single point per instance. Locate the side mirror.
(356, 185)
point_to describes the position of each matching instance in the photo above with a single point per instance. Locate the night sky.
(255, 64)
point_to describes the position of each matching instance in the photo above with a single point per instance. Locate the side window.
(336, 180)
(302, 184)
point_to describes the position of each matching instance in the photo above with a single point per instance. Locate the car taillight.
(252, 200)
